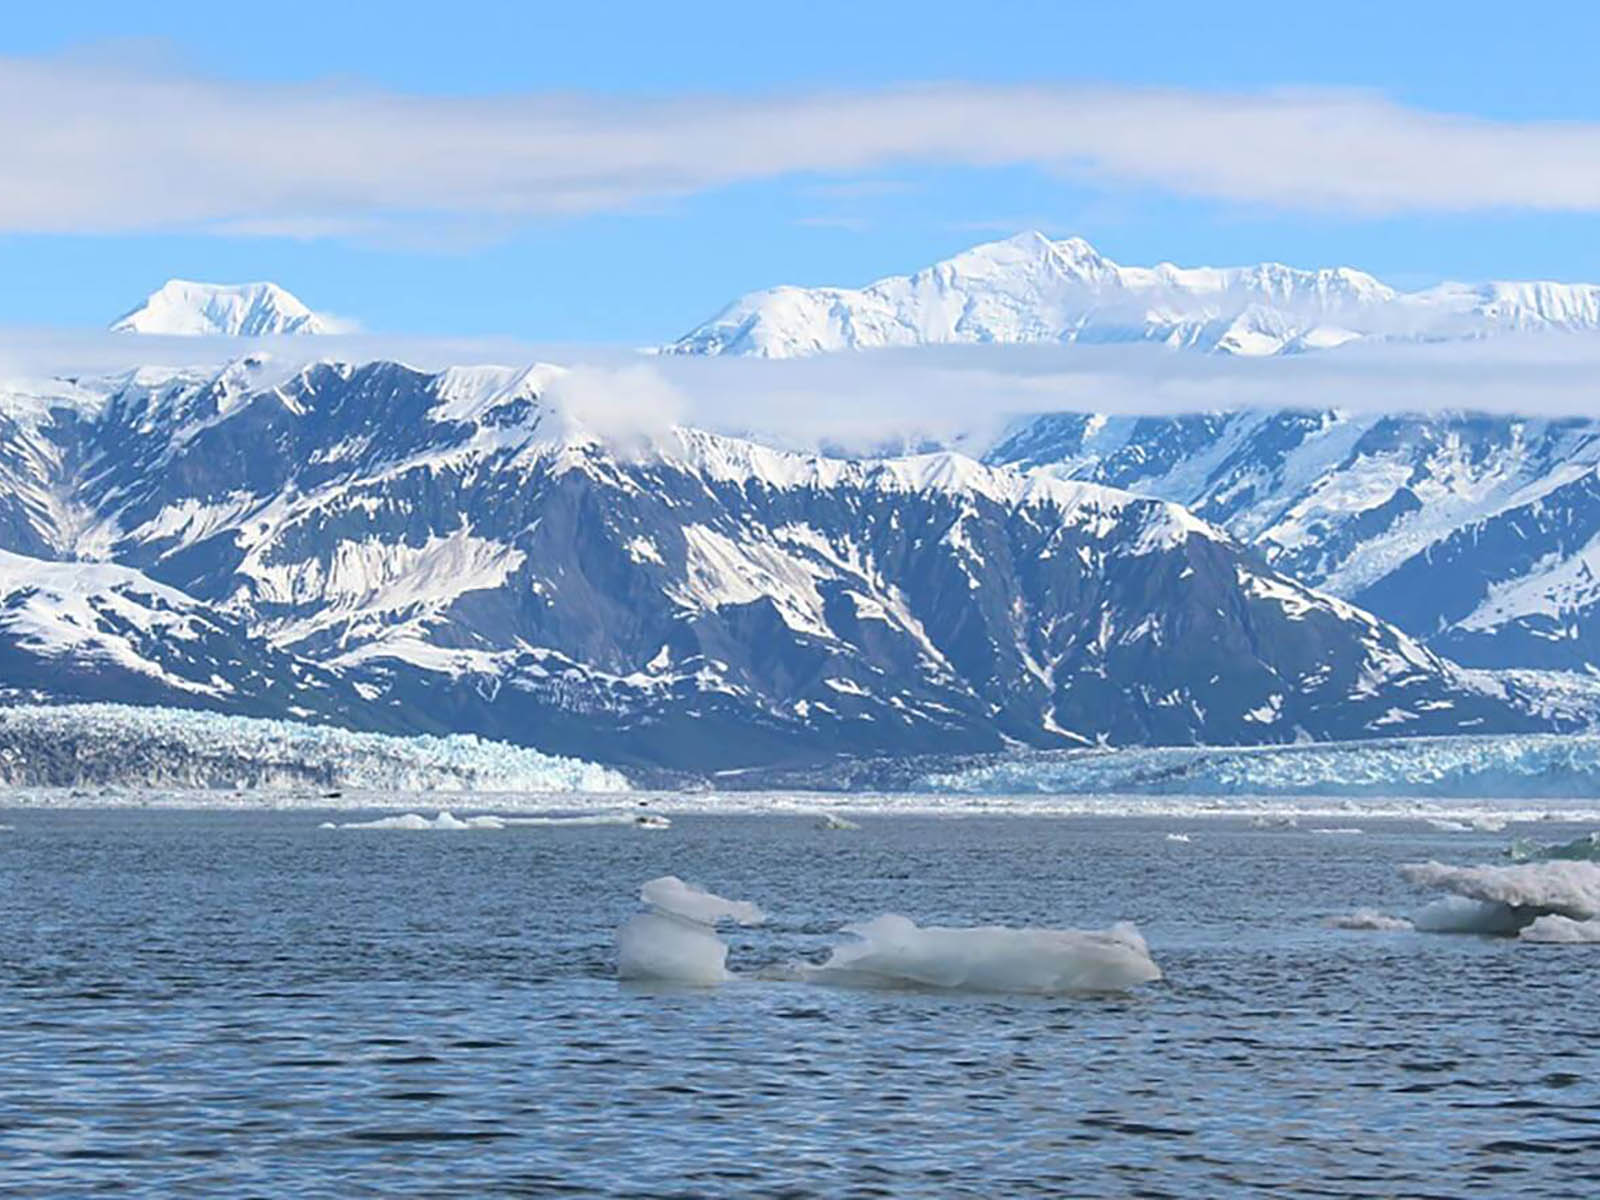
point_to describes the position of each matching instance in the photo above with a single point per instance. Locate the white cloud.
(895, 400)
(93, 147)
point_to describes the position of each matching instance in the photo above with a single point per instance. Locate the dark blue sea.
(245, 1004)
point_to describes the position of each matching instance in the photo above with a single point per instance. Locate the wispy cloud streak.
(92, 147)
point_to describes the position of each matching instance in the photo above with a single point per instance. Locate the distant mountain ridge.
(1031, 289)
(451, 552)
(1479, 533)
(184, 308)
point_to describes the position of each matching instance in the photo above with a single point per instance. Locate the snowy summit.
(1031, 289)
(183, 308)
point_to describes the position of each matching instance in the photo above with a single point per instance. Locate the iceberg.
(1508, 901)
(1584, 849)
(1561, 930)
(414, 821)
(675, 939)
(894, 952)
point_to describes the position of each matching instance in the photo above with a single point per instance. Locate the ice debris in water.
(834, 821)
(1368, 918)
(1506, 900)
(1586, 848)
(675, 940)
(1177, 837)
(445, 820)
(1552, 927)
(893, 951)
(634, 820)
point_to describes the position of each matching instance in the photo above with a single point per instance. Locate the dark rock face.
(1471, 531)
(396, 550)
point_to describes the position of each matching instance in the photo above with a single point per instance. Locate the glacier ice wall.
(125, 746)
(1532, 765)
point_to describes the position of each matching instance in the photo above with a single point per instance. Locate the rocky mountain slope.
(394, 549)
(1478, 533)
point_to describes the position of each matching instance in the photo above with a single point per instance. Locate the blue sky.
(639, 268)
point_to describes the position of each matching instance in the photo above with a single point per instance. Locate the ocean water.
(237, 1003)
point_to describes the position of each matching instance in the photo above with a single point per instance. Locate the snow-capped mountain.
(181, 308)
(454, 551)
(1032, 289)
(1478, 533)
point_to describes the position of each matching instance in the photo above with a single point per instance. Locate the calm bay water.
(198, 1003)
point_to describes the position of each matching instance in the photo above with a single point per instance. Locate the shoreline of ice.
(1480, 815)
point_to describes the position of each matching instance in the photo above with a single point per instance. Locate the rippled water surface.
(232, 1004)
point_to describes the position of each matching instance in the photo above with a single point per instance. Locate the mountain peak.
(1028, 288)
(183, 307)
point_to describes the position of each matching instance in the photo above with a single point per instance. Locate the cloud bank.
(93, 147)
(897, 401)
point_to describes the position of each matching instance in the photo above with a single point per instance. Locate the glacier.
(126, 746)
(1461, 767)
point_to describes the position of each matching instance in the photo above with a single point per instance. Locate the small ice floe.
(1488, 823)
(1504, 901)
(1557, 929)
(1583, 849)
(1342, 830)
(632, 820)
(829, 820)
(675, 939)
(1275, 821)
(894, 952)
(415, 821)
(1177, 837)
(1444, 825)
(1368, 918)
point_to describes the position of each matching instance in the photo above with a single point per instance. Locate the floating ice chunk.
(632, 820)
(1458, 914)
(1368, 918)
(415, 821)
(1340, 829)
(1586, 848)
(893, 951)
(675, 940)
(834, 821)
(1177, 837)
(1555, 928)
(1447, 826)
(1569, 888)
(1487, 823)
(1276, 821)
(673, 895)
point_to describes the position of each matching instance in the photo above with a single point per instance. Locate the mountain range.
(1478, 533)
(401, 551)
(381, 548)
(1031, 289)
